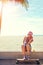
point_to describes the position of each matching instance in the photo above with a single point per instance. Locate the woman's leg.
(28, 49)
(23, 51)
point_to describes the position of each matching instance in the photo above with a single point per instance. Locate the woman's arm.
(31, 40)
(24, 39)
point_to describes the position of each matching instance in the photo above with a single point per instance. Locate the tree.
(24, 3)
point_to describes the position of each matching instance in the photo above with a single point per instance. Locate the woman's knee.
(28, 48)
(22, 46)
(23, 49)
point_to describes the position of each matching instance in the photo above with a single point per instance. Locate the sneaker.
(24, 58)
(27, 57)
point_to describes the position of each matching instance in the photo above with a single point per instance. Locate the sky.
(36, 8)
(16, 20)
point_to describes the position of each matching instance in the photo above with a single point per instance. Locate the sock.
(24, 56)
(27, 57)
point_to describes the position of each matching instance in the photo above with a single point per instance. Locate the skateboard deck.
(30, 61)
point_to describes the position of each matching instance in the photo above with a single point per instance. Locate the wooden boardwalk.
(9, 58)
(13, 62)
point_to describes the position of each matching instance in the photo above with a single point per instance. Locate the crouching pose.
(26, 47)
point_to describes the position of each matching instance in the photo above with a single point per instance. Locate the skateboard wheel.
(17, 62)
(38, 63)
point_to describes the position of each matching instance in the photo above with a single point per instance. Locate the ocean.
(13, 43)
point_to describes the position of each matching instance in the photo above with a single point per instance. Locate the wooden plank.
(27, 60)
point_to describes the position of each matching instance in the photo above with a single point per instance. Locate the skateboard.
(30, 61)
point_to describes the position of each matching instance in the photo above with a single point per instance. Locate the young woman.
(26, 47)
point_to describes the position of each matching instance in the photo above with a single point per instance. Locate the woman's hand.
(30, 40)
